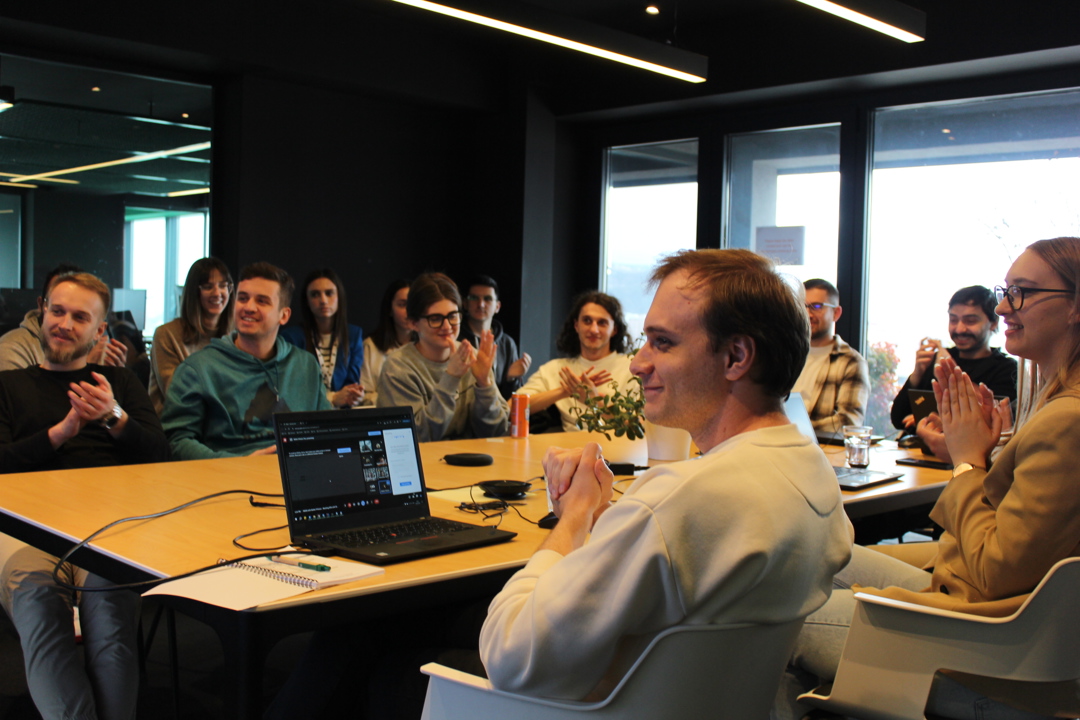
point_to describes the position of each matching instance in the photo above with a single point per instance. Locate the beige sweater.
(167, 351)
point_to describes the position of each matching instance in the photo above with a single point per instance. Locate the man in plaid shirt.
(834, 382)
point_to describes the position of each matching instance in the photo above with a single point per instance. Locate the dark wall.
(86, 230)
(307, 178)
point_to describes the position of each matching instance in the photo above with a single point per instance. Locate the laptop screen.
(343, 469)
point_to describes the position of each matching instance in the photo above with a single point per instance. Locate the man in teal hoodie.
(222, 399)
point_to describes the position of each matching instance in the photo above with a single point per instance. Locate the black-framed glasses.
(818, 307)
(211, 287)
(435, 320)
(1015, 294)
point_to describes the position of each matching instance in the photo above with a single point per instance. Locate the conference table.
(54, 509)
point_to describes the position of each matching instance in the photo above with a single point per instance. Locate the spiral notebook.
(246, 584)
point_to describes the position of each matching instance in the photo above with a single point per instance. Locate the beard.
(63, 357)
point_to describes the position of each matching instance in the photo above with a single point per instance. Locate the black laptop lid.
(345, 469)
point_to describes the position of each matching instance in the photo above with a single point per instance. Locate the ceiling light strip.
(552, 39)
(66, 182)
(182, 193)
(13, 184)
(142, 157)
(864, 20)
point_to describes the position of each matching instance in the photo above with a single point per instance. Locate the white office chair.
(894, 648)
(686, 672)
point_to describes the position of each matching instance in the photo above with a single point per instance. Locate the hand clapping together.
(968, 422)
(478, 360)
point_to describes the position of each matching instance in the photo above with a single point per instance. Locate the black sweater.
(34, 399)
(997, 371)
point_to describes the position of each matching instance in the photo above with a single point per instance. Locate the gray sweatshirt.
(444, 407)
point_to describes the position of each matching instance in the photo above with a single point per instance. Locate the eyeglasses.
(1015, 294)
(477, 298)
(211, 287)
(818, 307)
(435, 320)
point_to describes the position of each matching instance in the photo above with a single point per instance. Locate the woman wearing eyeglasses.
(206, 308)
(1006, 522)
(449, 385)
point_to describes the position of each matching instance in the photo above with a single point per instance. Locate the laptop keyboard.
(425, 527)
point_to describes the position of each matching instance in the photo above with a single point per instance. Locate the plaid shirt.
(841, 391)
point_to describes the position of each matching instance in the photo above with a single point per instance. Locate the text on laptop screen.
(357, 465)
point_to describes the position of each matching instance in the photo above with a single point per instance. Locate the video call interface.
(351, 468)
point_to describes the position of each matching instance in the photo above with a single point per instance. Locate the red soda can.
(519, 415)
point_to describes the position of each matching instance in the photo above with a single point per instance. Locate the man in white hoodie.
(752, 532)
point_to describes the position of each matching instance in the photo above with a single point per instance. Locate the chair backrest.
(1047, 625)
(707, 671)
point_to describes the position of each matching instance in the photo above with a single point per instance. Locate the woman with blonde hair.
(1006, 522)
(206, 308)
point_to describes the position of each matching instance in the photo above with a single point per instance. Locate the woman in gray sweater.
(449, 384)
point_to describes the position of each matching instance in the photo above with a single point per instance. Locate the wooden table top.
(75, 503)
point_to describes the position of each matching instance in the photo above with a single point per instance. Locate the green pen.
(284, 560)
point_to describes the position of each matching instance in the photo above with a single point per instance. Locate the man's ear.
(837, 312)
(286, 313)
(498, 306)
(741, 352)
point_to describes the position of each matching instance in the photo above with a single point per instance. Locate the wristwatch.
(109, 421)
(962, 468)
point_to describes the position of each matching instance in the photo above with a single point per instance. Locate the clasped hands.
(89, 403)
(349, 396)
(968, 422)
(579, 482)
(478, 360)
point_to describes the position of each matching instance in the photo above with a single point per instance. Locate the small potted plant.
(617, 413)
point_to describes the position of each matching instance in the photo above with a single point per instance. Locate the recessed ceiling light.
(652, 10)
(946, 130)
(184, 115)
(95, 89)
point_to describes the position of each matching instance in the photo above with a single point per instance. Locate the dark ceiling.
(381, 48)
(69, 116)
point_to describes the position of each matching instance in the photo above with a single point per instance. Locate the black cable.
(254, 503)
(236, 540)
(145, 583)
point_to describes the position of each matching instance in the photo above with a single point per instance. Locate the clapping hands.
(583, 385)
(969, 417)
(478, 360)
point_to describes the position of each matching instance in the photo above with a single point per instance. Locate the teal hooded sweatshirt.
(221, 401)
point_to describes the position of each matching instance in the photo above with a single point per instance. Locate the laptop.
(849, 478)
(354, 487)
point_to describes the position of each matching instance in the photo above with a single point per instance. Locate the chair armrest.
(928, 610)
(460, 677)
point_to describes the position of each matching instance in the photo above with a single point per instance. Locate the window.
(958, 190)
(160, 246)
(10, 240)
(785, 197)
(650, 210)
